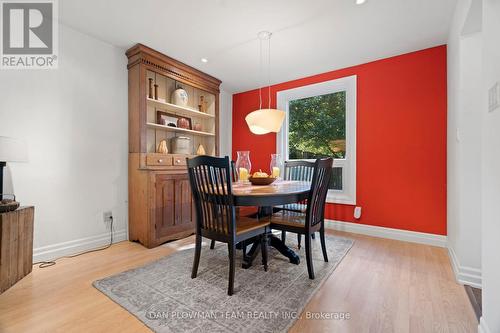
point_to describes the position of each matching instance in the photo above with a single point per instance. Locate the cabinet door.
(174, 206)
(184, 205)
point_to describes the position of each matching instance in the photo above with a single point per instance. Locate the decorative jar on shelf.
(180, 97)
(183, 123)
(181, 145)
(276, 165)
(243, 165)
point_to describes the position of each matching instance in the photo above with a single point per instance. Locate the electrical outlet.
(357, 212)
(108, 217)
(494, 97)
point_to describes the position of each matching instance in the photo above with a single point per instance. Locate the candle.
(275, 172)
(243, 174)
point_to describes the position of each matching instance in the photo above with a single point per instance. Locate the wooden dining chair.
(297, 170)
(234, 174)
(313, 220)
(210, 179)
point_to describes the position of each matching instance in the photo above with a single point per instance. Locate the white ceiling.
(309, 36)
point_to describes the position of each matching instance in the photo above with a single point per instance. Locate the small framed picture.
(174, 120)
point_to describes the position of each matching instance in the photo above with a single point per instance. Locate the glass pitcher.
(243, 165)
(276, 166)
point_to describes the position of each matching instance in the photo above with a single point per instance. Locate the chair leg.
(310, 268)
(323, 244)
(197, 253)
(244, 248)
(263, 247)
(231, 249)
(212, 244)
(283, 236)
(299, 238)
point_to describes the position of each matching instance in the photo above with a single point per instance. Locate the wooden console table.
(16, 246)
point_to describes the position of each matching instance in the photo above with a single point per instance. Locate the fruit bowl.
(261, 180)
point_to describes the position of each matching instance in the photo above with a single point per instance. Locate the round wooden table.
(265, 197)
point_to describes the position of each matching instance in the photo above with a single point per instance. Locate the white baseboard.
(483, 327)
(54, 251)
(397, 234)
(464, 274)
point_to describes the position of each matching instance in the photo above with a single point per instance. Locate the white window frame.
(348, 164)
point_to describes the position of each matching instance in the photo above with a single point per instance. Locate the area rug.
(165, 298)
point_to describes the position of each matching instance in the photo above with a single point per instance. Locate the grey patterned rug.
(165, 298)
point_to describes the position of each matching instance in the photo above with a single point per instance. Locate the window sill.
(340, 199)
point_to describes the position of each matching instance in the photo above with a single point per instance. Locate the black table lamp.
(11, 150)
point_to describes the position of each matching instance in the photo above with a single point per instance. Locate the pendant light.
(263, 121)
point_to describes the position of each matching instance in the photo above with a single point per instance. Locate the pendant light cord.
(269, 73)
(261, 72)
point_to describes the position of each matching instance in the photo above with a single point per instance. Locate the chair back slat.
(234, 172)
(319, 189)
(210, 179)
(299, 170)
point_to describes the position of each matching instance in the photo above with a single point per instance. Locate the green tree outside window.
(317, 127)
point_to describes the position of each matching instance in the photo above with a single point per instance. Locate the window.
(321, 122)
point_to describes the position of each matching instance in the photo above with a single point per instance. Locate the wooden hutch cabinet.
(160, 200)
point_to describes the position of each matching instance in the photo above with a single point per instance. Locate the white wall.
(74, 120)
(490, 322)
(226, 123)
(473, 68)
(464, 143)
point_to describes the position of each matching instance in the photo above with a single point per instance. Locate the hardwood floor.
(385, 285)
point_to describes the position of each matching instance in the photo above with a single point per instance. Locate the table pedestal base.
(274, 242)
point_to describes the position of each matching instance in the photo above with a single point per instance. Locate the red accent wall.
(401, 139)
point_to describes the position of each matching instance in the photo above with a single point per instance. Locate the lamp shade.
(265, 121)
(12, 150)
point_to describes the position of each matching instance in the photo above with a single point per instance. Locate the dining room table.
(268, 198)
